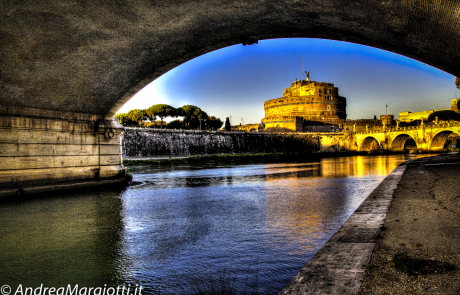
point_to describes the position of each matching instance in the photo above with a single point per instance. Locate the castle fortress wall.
(352, 121)
(348, 125)
(306, 99)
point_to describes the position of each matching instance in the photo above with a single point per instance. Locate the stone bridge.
(433, 137)
(67, 66)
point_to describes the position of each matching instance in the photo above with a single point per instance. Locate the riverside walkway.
(416, 211)
(423, 222)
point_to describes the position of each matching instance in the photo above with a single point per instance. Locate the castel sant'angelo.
(304, 100)
(311, 106)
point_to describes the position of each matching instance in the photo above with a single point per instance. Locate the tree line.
(193, 118)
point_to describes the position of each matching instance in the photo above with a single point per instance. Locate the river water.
(253, 226)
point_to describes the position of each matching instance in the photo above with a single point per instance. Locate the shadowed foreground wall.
(139, 142)
(49, 150)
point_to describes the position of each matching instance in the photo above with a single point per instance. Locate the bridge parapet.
(424, 137)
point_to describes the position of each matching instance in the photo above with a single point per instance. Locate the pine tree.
(228, 127)
(162, 111)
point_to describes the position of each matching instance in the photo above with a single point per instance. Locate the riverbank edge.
(339, 266)
(37, 191)
(246, 158)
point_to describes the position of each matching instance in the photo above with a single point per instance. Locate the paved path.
(424, 222)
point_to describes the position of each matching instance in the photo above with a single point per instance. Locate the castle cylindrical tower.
(310, 100)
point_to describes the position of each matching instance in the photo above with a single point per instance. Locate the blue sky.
(235, 81)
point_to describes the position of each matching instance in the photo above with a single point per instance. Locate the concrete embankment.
(339, 267)
(415, 211)
(424, 223)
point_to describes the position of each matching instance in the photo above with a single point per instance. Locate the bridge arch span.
(444, 138)
(403, 142)
(369, 143)
(92, 57)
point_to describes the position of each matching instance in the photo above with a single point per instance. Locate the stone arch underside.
(369, 144)
(91, 57)
(402, 142)
(443, 139)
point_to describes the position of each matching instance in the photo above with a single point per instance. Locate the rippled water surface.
(256, 225)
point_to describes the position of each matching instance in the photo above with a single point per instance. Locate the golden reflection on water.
(309, 207)
(359, 166)
(305, 208)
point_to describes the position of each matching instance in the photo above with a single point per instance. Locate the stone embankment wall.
(143, 142)
(44, 150)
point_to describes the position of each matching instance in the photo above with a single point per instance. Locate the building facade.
(304, 100)
(423, 115)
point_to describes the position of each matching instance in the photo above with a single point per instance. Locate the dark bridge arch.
(68, 66)
(443, 139)
(91, 57)
(369, 144)
(402, 142)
